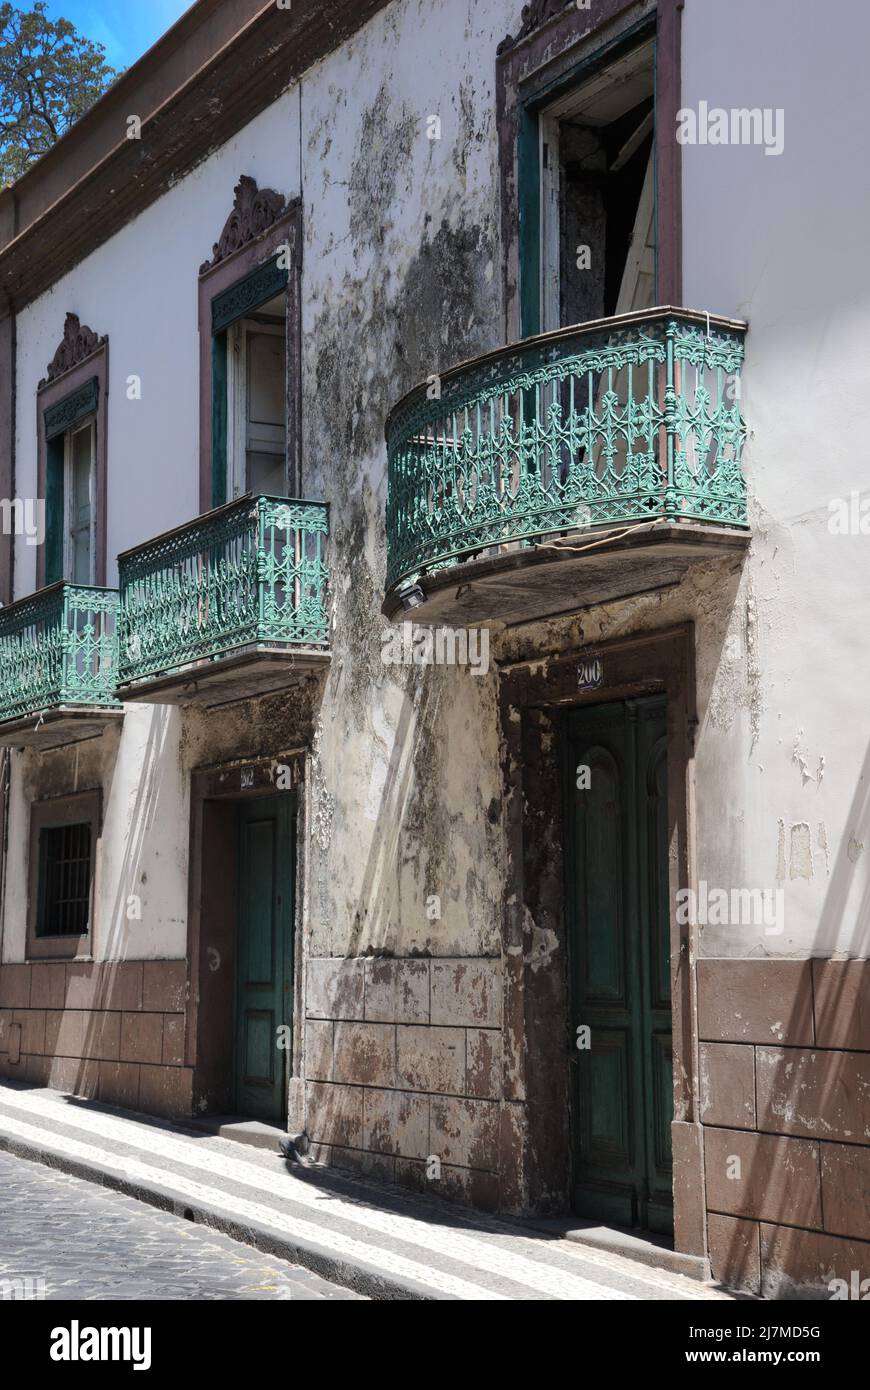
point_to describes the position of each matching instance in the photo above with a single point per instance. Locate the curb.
(361, 1277)
(618, 1241)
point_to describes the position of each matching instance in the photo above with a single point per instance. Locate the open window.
(597, 187)
(250, 388)
(72, 423)
(249, 350)
(79, 491)
(71, 503)
(257, 402)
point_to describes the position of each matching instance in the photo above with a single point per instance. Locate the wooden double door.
(264, 954)
(619, 952)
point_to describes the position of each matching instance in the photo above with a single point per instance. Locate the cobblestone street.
(89, 1243)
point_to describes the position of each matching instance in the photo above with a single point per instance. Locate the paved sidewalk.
(367, 1237)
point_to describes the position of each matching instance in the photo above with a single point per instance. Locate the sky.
(126, 28)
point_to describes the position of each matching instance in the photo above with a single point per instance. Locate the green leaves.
(49, 76)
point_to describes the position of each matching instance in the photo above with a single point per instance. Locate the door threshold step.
(648, 1249)
(258, 1133)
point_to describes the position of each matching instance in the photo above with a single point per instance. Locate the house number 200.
(590, 673)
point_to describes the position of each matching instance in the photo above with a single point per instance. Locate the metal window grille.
(65, 880)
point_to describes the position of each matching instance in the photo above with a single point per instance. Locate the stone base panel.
(403, 1068)
(110, 1030)
(785, 1106)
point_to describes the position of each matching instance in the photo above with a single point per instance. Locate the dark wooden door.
(264, 955)
(618, 913)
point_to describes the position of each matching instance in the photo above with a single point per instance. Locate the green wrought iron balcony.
(224, 607)
(567, 469)
(58, 665)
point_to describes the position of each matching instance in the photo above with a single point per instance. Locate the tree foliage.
(49, 76)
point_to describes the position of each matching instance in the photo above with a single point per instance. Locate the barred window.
(63, 911)
(65, 880)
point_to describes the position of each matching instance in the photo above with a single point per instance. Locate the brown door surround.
(533, 696)
(216, 793)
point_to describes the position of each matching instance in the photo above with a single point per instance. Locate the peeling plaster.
(801, 757)
(322, 800)
(542, 944)
(801, 851)
(822, 841)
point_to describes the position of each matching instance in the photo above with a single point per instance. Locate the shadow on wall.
(112, 1028)
(788, 1150)
(378, 890)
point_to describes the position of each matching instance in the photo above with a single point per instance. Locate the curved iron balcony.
(218, 609)
(58, 665)
(623, 435)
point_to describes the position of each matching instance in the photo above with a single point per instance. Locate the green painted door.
(620, 963)
(264, 954)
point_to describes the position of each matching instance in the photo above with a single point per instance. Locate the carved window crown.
(255, 210)
(532, 17)
(77, 343)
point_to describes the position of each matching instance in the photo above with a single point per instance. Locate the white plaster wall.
(401, 279)
(141, 289)
(405, 766)
(782, 241)
(143, 851)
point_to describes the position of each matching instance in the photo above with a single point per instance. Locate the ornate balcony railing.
(625, 420)
(250, 573)
(59, 647)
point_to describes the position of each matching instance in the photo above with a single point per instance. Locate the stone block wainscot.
(785, 1105)
(113, 1031)
(403, 1062)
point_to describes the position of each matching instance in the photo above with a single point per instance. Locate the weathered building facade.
(567, 909)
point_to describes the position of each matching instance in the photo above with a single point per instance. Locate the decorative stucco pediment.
(77, 343)
(254, 211)
(532, 17)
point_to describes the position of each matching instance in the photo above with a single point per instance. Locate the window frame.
(238, 401)
(572, 103)
(89, 422)
(214, 282)
(532, 71)
(76, 809)
(54, 393)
